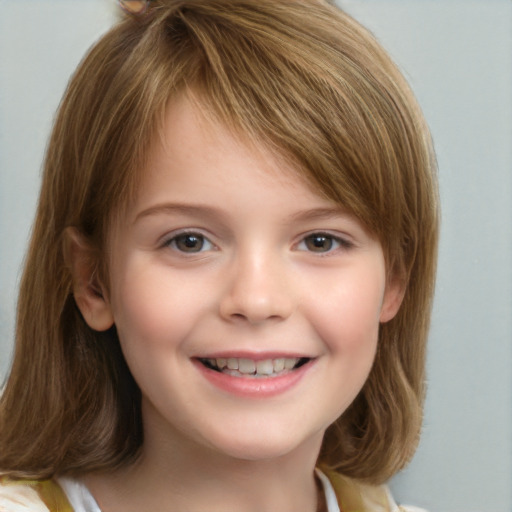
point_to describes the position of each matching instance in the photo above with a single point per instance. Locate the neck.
(176, 474)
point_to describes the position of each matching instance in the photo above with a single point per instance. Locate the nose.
(257, 290)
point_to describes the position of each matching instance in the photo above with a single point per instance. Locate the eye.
(322, 243)
(189, 243)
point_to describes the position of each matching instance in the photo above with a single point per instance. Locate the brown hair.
(305, 79)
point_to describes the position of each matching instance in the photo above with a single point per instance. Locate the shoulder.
(356, 496)
(32, 495)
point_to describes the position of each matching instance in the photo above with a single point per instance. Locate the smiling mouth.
(243, 367)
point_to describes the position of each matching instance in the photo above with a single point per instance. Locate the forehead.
(191, 138)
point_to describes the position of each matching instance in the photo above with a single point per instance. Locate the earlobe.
(89, 293)
(393, 297)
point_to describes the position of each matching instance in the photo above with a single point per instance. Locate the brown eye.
(189, 243)
(324, 243)
(319, 243)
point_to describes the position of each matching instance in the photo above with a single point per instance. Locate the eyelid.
(165, 241)
(344, 241)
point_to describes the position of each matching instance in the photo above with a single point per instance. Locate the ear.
(393, 297)
(89, 293)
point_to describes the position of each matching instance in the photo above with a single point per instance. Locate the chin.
(265, 446)
(256, 453)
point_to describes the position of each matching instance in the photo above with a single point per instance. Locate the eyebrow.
(200, 211)
(203, 211)
(321, 214)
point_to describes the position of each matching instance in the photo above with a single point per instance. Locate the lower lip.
(254, 387)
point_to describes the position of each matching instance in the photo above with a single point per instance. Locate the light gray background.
(458, 56)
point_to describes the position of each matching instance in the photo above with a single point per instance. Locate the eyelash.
(335, 242)
(175, 239)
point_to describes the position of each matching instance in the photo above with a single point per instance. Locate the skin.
(267, 267)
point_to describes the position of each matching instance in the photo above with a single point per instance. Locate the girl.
(227, 293)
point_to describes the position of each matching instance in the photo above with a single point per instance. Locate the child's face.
(228, 257)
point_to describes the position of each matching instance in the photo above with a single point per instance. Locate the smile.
(244, 367)
(255, 378)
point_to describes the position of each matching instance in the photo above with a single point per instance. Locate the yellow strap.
(355, 496)
(49, 491)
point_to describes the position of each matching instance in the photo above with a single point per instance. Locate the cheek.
(347, 321)
(146, 304)
(347, 317)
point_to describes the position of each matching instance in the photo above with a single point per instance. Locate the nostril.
(254, 295)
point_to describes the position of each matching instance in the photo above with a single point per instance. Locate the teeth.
(278, 365)
(246, 366)
(232, 363)
(265, 367)
(289, 364)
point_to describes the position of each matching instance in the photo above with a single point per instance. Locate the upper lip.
(253, 355)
